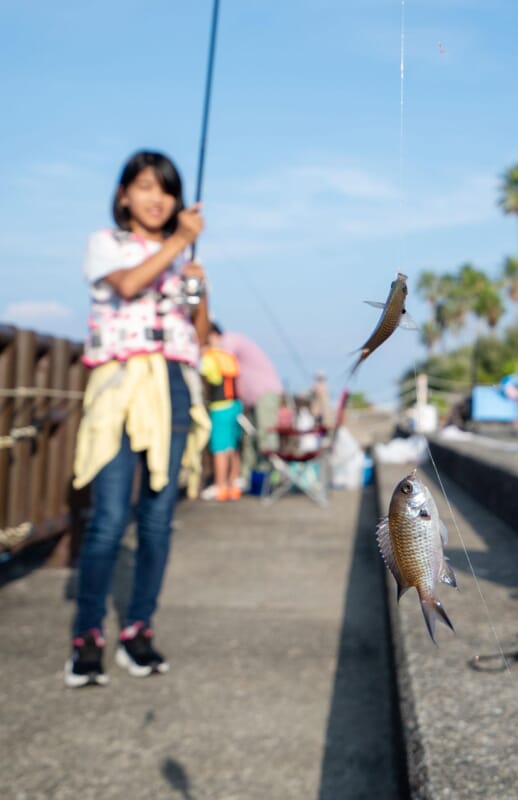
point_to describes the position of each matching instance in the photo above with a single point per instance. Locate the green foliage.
(508, 199)
(358, 400)
(485, 362)
(510, 278)
(440, 402)
(468, 293)
(489, 357)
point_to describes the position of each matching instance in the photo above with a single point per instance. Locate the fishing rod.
(206, 108)
(193, 288)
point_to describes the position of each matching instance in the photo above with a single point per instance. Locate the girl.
(142, 337)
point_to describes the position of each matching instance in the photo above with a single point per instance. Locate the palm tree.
(510, 278)
(488, 305)
(457, 294)
(471, 280)
(430, 335)
(508, 199)
(429, 286)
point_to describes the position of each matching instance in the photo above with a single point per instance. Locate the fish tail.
(363, 355)
(432, 609)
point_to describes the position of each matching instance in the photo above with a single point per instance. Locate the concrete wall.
(491, 483)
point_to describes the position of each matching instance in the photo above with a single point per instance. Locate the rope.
(33, 391)
(9, 537)
(28, 432)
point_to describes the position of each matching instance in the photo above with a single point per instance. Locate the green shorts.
(226, 431)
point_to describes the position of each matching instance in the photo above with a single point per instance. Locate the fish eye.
(406, 487)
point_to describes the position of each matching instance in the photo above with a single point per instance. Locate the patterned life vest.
(228, 367)
(156, 320)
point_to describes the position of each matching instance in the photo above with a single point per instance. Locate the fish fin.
(442, 616)
(446, 574)
(358, 350)
(432, 609)
(375, 303)
(387, 554)
(443, 530)
(407, 322)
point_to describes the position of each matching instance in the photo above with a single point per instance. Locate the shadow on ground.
(177, 778)
(26, 561)
(362, 748)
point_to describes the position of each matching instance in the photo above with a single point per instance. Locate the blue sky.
(308, 210)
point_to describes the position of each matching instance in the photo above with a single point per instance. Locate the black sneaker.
(137, 654)
(85, 667)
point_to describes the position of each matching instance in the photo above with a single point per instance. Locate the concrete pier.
(281, 686)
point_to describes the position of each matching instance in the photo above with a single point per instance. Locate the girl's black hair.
(165, 172)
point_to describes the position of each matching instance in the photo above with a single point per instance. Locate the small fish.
(394, 315)
(411, 540)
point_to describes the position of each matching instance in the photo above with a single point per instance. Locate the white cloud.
(346, 181)
(34, 312)
(300, 207)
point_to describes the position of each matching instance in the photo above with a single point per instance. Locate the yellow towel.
(135, 394)
(196, 442)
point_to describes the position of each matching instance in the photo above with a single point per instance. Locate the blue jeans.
(111, 507)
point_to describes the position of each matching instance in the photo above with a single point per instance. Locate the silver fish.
(394, 315)
(411, 540)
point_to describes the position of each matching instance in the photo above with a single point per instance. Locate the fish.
(394, 315)
(411, 539)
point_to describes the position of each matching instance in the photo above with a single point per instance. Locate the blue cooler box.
(489, 404)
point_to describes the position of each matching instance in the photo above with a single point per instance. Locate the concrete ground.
(281, 688)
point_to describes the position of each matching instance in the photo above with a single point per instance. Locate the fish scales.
(391, 317)
(411, 542)
(413, 547)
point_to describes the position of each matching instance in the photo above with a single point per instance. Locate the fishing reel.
(192, 289)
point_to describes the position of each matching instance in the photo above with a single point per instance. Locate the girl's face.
(149, 206)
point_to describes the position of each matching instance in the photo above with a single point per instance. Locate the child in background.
(220, 369)
(143, 347)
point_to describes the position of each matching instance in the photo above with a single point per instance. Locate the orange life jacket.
(228, 367)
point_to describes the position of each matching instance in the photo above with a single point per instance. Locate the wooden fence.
(42, 381)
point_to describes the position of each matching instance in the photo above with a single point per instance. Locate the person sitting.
(305, 421)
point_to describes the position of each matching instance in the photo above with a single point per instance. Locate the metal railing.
(42, 381)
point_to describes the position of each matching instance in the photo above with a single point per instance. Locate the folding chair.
(304, 470)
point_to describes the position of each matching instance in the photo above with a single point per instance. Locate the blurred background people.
(221, 369)
(259, 388)
(319, 400)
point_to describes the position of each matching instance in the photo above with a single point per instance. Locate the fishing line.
(468, 559)
(399, 252)
(401, 122)
(432, 460)
(274, 319)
